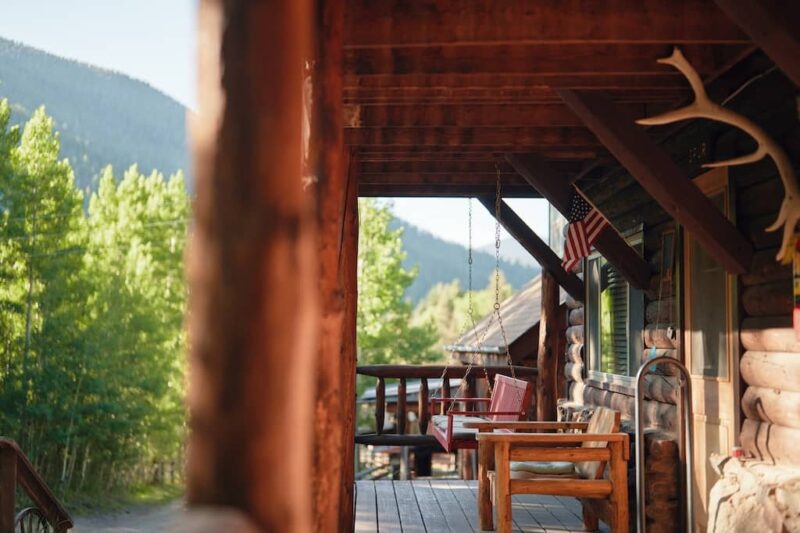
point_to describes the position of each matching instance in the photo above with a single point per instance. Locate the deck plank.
(366, 508)
(453, 513)
(429, 507)
(388, 513)
(450, 506)
(537, 507)
(515, 528)
(410, 515)
(572, 505)
(467, 500)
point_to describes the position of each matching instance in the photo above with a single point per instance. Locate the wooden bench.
(509, 402)
(570, 463)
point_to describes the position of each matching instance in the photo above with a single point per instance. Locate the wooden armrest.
(437, 400)
(489, 426)
(552, 438)
(485, 413)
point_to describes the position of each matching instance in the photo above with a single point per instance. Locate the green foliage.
(384, 333)
(91, 310)
(447, 306)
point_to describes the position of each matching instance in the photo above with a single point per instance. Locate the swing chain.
(498, 214)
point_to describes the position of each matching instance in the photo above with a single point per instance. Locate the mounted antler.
(702, 107)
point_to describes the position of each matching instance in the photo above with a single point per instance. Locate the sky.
(154, 41)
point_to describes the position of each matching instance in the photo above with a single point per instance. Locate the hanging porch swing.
(509, 398)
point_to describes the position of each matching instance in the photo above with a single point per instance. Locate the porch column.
(349, 269)
(547, 358)
(252, 268)
(329, 170)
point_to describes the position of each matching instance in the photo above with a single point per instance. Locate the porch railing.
(403, 373)
(16, 470)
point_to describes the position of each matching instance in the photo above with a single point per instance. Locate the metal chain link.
(498, 215)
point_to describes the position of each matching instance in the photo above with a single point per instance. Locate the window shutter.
(618, 288)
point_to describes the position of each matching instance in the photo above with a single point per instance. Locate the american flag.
(585, 224)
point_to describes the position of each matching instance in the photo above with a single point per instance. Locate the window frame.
(635, 239)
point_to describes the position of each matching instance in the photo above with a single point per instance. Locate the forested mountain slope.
(103, 116)
(440, 261)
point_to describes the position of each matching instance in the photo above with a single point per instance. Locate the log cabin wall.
(770, 353)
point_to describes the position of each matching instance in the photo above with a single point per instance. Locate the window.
(614, 319)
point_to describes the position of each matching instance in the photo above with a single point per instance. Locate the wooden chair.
(510, 399)
(558, 464)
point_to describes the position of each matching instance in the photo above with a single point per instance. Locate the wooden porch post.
(349, 269)
(546, 358)
(329, 163)
(252, 268)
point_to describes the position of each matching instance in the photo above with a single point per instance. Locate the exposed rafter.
(661, 177)
(452, 136)
(773, 26)
(380, 23)
(505, 59)
(535, 246)
(557, 190)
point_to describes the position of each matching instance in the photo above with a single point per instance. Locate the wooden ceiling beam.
(661, 177)
(773, 26)
(545, 59)
(456, 137)
(626, 80)
(558, 191)
(453, 166)
(470, 115)
(539, 250)
(471, 153)
(437, 178)
(475, 116)
(368, 190)
(376, 23)
(521, 95)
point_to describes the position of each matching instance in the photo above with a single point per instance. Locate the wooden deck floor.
(439, 505)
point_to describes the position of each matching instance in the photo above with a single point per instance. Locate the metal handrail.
(686, 444)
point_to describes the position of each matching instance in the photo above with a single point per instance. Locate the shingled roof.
(520, 312)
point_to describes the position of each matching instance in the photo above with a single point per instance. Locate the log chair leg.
(502, 486)
(619, 492)
(590, 521)
(485, 464)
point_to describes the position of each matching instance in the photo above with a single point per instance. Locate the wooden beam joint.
(557, 190)
(661, 177)
(535, 246)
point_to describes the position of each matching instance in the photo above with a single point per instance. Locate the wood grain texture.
(778, 370)
(770, 442)
(395, 23)
(547, 358)
(253, 299)
(769, 334)
(772, 405)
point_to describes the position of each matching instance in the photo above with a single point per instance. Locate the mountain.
(103, 117)
(511, 251)
(440, 261)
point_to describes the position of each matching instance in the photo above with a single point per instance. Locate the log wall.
(770, 354)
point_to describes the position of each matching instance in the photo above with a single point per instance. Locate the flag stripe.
(586, 224)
